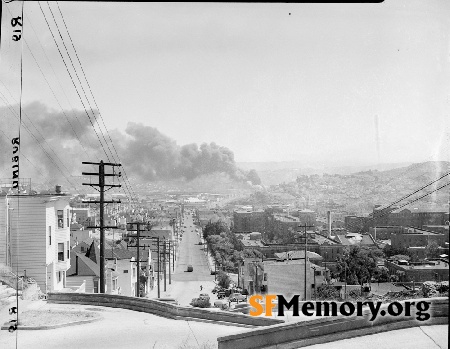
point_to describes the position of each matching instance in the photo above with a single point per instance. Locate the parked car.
(190, 268)
(243, 308)
(204, 296)
(237, 297)
(221, 294)
(220, 303)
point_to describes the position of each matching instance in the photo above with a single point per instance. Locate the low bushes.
(201, 303)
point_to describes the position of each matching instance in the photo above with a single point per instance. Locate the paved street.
(186, 285)
(122, 329)
(424, 337)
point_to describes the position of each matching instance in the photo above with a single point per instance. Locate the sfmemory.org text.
(324, 308)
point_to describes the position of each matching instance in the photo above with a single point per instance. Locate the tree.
(223, 279)
(389, 251)
(432, 250)
(381, 274)
(399, 257)
(356, 265)
(327, 292)
(290, 237)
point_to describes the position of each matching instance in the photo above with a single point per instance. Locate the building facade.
(35, 237)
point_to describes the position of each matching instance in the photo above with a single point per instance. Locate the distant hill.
(272, 173)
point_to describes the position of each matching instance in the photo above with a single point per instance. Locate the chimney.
(58, 189)
(329, 223)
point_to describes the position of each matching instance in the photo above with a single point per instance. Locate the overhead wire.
(23, 155)
(32, 123)
(35, 138)
(94, 100)
(55, 75)
(383, 211)
(73, 82)
(84, 92)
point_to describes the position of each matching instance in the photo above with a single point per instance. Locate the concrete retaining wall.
(329, 329)
(164, 309)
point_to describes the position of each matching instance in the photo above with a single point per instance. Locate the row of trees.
(225, 246)
(359, 265)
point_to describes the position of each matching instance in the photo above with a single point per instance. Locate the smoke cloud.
(146, 153)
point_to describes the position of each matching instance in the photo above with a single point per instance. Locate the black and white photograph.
(224, 175)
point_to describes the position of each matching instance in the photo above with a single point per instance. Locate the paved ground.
(425, 337)
(186, 285)
(122, 328)
(119, 328)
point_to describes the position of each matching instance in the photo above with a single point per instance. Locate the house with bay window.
(35, 237)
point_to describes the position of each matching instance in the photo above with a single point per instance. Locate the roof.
(85, 267)
(299, 254)
(352, 239)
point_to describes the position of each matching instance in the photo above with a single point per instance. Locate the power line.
(53, 70)
(416, 191)
(84, 92)
(54, 95)
(22, 154)
(37, 141)
(31, 122)
(95, 102)
(73, 82)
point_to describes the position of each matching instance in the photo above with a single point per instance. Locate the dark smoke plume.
(145, 152)
(154, 156)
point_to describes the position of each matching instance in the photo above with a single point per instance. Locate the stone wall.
(155, 307)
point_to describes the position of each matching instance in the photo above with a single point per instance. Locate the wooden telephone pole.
(130, 227)
(306, 256)
(101, 184)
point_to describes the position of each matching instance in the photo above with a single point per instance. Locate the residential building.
(384, 232)
(288, 278)
(419, 272)
(441, 229)
(35, 237)
(414, 237)
(415, 217)
(248, 221)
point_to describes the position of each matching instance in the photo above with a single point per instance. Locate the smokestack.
(329, 223)
(58, 189)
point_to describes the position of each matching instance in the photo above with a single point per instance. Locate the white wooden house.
(34, 237)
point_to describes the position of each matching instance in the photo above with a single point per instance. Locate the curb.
(50, 327)
(223, 323)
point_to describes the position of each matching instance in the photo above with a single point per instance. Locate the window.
(61, 251)
(49, 234)
(59, 276)
(68, 250)
(125, 271)
(68, 217)
(60, 214)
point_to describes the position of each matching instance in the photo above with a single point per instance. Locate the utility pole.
(170, 278)
(101, 184)
(306, 255)
(164, 256)
(131, 227)
(159, 291)
(174, 258)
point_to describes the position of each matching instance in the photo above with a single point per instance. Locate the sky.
(271, 82)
